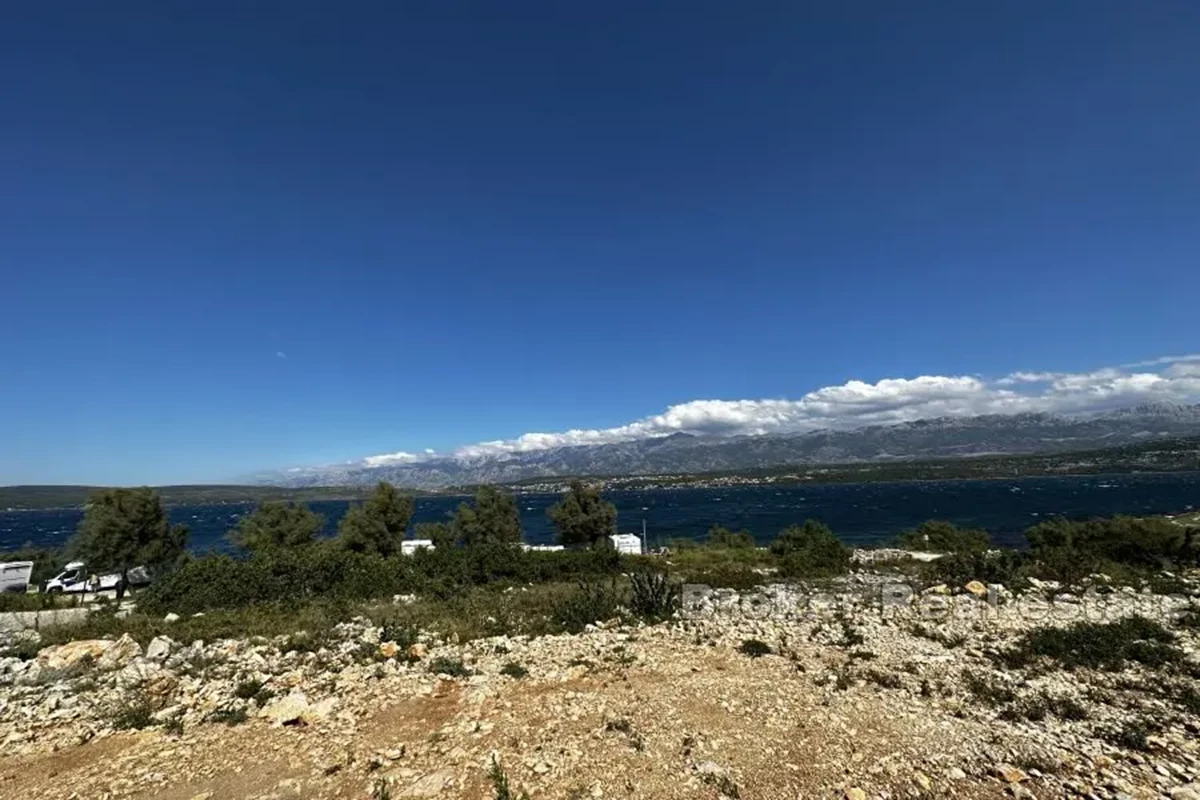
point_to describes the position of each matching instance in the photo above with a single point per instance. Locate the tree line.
(127, 528)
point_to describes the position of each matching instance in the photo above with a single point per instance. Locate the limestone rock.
(294, 709)
(1008, 773)
(159, 648)
(73, 654)
(121, 652)
(430, 785)
(977, 588)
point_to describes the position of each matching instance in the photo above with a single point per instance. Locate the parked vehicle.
(14, 576)
(75, 578)
(410, 546)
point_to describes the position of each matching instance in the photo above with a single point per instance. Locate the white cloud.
(858, 403)
(280, 354)
(1155, 362)
(1027, 377)
(390, 459)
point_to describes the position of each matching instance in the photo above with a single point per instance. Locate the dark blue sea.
(864, 513)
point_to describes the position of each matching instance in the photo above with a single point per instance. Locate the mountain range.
(942, 437)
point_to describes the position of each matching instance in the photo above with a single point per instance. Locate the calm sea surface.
(858, 513)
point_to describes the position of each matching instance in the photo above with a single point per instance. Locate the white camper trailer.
(75, 578)
(627, 543)
(410, 546)
(14, 576)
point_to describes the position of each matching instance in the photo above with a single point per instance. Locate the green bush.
(591, 602)
(134, 715)
(1133, 541)
(721, 537)
(449, 666)
(755, 648)
(988, 689)
(514, 670)
(810, 551)
(727, 576)
(229, 716)
(1133, 734)
(944, 537)
(501, 790)
(958, 568)
(277, 575)
(654, 595)
(1104, 646)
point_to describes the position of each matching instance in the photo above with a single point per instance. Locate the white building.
(410, 546)
(628, 543)
(542, 548)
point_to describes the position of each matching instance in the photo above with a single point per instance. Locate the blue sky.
(463, 222)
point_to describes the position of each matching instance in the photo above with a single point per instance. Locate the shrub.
(721, 537)
(247, 689)
(988, 689)
(626, 727)
(887, 680)
(500, 786)
(1033, 708)
(810, 551)
(277, 575)
(1067, 708)
(24, 649)
(851, 636)
(514, 670)
(253, 690)
(230, 716)
(591, 602)
(958, 568)
(725, 785)
(1133, 734)
(654, 595)
(755, 648)
(1104, 646)
(302, 642)
(944, 537)
(1132, 541)
(449, 666)
(728, 576)
(133, 716)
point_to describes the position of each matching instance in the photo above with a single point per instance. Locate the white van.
(14, 576)
(627, 543)
(75, 577)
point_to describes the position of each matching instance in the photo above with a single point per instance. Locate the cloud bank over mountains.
(854, 404)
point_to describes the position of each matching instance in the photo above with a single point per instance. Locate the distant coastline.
(45, 498)
(1161, 456)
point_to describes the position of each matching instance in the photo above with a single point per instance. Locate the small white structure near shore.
(627, 543)
(542, 548)
(410, 546)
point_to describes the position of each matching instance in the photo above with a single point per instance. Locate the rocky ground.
(863, 691)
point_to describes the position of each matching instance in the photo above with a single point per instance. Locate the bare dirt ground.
(683, 721)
